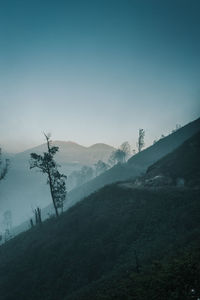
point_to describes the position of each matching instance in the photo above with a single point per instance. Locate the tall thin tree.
(140, 143)
(55, 179)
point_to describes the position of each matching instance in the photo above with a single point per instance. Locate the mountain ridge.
(65, 143)
(130, 170)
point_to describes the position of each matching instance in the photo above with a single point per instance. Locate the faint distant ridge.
(98, 146)
(69, 144)
(70, 152)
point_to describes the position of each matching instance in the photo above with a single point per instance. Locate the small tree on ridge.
(140, 143)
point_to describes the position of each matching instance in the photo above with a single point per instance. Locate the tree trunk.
(50, 181)
(52, 195)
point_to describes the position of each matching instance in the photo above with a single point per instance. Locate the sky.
(97, 71)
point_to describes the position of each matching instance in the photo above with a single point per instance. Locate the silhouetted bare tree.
(48, 166)
(117, 156)
(126, 148)
(100, 167)
(38, 219)
(31, 223)
(3, 166)
(140, 143)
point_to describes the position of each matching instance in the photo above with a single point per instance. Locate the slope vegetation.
(118, 243)
(183, 163)
(137, 164)
(100, 236)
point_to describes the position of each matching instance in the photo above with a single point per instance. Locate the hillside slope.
(183, 163)
(172, 278)
(137, 164)
(113, 244)
(96, 237)
(165, 145)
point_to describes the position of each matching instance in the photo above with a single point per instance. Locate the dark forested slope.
(99, 236)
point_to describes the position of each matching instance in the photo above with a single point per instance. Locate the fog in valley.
(99, 150)
(22, 190)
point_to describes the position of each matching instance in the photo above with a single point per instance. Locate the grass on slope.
(95, 238)
(174, 278)
(183, 163)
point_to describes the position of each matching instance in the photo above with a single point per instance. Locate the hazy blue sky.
(96, 71)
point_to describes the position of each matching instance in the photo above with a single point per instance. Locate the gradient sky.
(96, 71)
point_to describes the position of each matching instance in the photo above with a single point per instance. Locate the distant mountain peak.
(70, 151)
(100, 145)
(66, 142)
